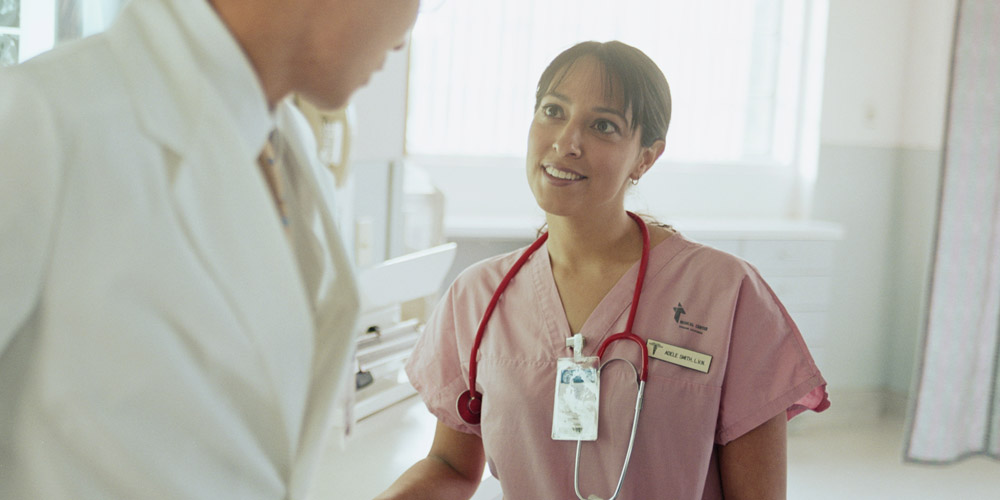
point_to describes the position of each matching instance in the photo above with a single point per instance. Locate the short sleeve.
(769, 368)
(31, 175)
(435, 367)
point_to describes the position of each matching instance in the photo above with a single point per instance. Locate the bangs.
(644, 90)
(615, 82)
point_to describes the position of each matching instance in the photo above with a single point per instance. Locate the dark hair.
(645, 89)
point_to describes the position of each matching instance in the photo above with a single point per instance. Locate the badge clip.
(576, 344)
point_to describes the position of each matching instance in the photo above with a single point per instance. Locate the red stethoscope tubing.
(470, 402)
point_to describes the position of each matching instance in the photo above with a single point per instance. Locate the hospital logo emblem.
(687, 325)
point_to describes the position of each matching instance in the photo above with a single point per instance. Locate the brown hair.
(645, 89)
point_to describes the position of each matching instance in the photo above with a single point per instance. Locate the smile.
(561, 174)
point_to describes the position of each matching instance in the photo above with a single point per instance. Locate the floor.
(857, 462)
(864, 462)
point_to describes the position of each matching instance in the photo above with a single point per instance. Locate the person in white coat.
(163, 332)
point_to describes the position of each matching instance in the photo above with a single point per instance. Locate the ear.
(647, 157)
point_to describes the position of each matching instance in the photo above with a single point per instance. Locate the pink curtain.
(956, 409)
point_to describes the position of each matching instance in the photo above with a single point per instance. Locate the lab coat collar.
(196, 62)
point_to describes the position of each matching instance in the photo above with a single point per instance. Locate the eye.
(606, 126)
(552, 110)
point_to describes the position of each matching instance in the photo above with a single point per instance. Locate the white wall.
(882, 125)
(886, 73)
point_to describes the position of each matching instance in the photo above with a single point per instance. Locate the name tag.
(679, 356)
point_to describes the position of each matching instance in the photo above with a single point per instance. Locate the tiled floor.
(846, 462)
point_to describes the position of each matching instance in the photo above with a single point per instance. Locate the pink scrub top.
(694, 297)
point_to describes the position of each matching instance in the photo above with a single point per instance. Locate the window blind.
(734, 69)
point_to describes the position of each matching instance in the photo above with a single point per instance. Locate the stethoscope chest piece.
(470, 406)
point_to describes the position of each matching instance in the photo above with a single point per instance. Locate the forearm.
(431, 479)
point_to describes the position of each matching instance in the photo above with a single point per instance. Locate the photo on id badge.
(576, 400)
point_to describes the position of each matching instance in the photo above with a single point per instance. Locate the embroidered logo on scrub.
(679, 356)
(687, 325)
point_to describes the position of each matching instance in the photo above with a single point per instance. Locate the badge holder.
(577, 398)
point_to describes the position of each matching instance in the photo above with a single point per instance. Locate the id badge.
(578, 392)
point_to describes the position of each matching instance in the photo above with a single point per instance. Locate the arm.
(31, 176)
(452, 470)
(753, 466)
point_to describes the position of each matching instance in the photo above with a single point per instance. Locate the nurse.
(726, 364)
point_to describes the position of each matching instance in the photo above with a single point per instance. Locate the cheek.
(537, 140)
(616, 167)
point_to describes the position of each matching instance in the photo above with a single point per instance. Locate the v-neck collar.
(612, 308)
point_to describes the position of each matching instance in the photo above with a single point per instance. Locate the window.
(10, 32)
(30, 27)
(735, 70)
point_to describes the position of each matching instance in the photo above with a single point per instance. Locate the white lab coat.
(157, 338)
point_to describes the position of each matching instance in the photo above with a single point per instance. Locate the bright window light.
(734, 67)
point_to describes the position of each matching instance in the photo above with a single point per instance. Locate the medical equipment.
(470, 402)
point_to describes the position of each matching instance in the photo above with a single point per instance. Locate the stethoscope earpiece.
(470, 407)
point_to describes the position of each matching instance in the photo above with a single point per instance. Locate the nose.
(567, 142)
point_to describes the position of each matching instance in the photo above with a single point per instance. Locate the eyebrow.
(612, 111)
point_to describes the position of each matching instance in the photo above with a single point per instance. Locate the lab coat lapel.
(222, 203)
(337, 305)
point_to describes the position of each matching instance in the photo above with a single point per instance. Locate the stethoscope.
(470, 402)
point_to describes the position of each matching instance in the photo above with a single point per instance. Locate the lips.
(561, 173)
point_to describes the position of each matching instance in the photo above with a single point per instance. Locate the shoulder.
(729, 278)
(686, 269)
(70, 65)
(486, 274)
(77, 83)
(21, 96)
(29, 125)
(707, 263)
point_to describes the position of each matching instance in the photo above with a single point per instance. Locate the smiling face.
(581, 149)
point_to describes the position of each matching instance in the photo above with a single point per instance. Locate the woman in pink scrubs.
(713, 423)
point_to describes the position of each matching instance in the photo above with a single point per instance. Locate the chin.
(330, 99)
(551, 207)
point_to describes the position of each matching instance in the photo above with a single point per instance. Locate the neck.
(577, 243)
(261, 30)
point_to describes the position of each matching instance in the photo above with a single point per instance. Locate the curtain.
(955, 412)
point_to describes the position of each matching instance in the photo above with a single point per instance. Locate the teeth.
(561, 175)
